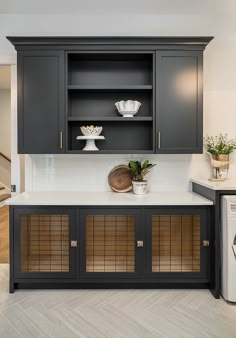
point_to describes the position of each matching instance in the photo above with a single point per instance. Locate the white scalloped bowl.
(91, 130)
(128, 108)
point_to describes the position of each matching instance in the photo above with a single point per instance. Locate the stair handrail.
(6, 157)
(4, 186)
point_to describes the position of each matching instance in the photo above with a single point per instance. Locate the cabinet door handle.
(205, 243)
(61, 139)
(139, 244)
(73, 244)
(159, 140)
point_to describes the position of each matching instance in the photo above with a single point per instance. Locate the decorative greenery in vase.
(220, 145)
(219, 148)
(138, 170)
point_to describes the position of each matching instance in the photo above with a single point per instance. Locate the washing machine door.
(228, 248)
(234, 247)
(230, 277)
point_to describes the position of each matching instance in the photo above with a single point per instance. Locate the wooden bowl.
(120, 179)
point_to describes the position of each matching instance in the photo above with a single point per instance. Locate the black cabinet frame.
(79, 278)
(151, 128)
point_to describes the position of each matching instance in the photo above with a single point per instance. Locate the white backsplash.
(89, 172)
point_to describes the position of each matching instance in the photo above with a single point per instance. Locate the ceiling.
(5, 77)
(97, 6)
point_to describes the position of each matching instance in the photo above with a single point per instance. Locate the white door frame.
(17, 161)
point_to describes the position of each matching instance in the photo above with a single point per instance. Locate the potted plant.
(219, 148)
(138, 170)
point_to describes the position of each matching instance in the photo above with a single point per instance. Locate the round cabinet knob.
(139, 244)
(73, 244)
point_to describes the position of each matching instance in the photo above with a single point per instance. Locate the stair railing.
(5, 156)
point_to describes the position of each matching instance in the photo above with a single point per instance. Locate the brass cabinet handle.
(139, 244)
(61, 139)
(159, 139)
(73, 244)
(206, 243)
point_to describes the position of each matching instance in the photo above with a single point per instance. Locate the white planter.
(139, 187)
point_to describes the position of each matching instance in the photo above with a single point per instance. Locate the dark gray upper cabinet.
(40, 102)
(67, 82)
(179, 102)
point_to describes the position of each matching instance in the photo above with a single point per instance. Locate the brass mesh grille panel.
(110, 243)
(44, 243)
(176, 243)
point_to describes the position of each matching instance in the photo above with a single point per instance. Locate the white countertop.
(107, 198)
(229, 184)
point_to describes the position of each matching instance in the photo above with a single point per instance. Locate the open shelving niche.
(95, 82)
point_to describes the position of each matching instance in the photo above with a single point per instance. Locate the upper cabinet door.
(40, 102)
(179, 102)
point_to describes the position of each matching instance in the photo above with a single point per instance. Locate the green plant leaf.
(133, 169)
(151, 165)
(220, 145)
(139, 166)
(145, 164)
(134, 166)
(139, 170)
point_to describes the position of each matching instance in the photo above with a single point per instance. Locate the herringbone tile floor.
(113, 313)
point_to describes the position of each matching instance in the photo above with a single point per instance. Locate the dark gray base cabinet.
(61, 247)
(215, 196)
(66, 83)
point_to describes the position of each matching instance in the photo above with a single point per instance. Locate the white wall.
(5, 135)
(5, 122)
(80, 172)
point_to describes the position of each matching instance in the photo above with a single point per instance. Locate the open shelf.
(109, 68)
(111, 118)
(102, 103)
(95, 82)
(119, 137)
(110, 87)
(121, 151)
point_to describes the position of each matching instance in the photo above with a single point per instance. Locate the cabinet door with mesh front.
(179, 243)
(109, 243)
(42, 239)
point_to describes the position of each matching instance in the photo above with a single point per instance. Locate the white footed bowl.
(128, 108)
(91, 130)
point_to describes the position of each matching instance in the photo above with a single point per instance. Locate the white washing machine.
(228, 248)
